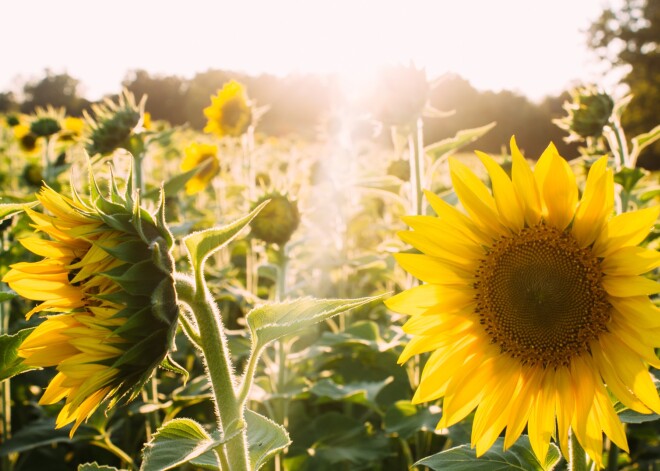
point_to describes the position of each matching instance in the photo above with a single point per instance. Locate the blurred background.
(314, 63)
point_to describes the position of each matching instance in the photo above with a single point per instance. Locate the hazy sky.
(535, 47)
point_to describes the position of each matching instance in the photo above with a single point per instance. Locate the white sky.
(535, 47)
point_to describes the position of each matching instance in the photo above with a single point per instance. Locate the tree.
(166, 95)
(630, 38)
(57, 90)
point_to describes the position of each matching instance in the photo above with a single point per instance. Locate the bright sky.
(535, 47)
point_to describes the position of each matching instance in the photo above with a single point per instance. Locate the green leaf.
(649, 195)
(363, 392)
(177, 442)
(275, 320)
(203, 244)
(175, 184)
(10, 363)
(642, 141)
(11, 209)
(7, 295)
(519, 457)
(405, 418)
(169, 364)
(632, 417)
(96, 467)
(265, 438)
(628, 177)
(462, 138)
(43, 432)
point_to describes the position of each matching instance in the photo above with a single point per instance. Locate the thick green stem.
(616, 139)
(229, 411)
(613, 457)
(578, 458)
(138, 180)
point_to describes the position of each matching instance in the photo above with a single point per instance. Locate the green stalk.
(219, 369)
(46, 160)
(613, 457)
(577, 456)
(281, 348)
(616, 139)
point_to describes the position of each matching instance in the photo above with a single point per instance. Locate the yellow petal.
(630, 261)
(504, 193)
(625, 230)
(542, 416)
(430, 269)
(609, 421)
(558, 189)
(420, 298)
(625, 286)
(451, 216)
(525, 186)
(596, 204)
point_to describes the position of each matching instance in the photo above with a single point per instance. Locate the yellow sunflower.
(230, 113)
(533, 304)
(203, 155)
(108, 280)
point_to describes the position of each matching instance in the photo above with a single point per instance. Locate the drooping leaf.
(628, 177)
(204, 243)
(10, 363)
(177, 442)
(631, 417)
(642, 141)
(96, 467)
(519, 457)
(265, 438)
(462, 138)
(11, 209)
(172, 186)
(275, 320)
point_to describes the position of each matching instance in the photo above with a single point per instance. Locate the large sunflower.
(206, 156)
(230, 113)
(109, 278)
(533, 304)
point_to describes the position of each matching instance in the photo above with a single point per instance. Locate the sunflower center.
(540, 298)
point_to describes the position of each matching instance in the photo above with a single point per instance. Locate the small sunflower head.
(230, 113)
(588, 113)
(33, 175)
(12, 120)
(401, 95)
(277, 221)
(203, 155)
(47, 122)
(113, 123)
(72, 128)
(106, 280)
(27, 141)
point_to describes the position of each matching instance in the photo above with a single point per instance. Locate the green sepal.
(160, 220)
(129, 251)
(141, 350)
(10, 363)
(137, 319)
(121, 222)
(139, 279)
(164, 303)
(170, 364)
(202, 244)
(276, 320)
(628, 177)
(519, 456)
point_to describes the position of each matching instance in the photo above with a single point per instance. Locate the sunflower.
(106, 282)
(533, 308)
(203, 155)
(230, 113)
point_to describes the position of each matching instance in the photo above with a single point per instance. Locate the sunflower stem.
(219, 369)
(577, 456)
(281, 348)
(617, 141)
(613, 457)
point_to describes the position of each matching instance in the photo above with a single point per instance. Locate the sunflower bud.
(277, 221)
(230, 113)
(588, 113)
(12, 120)
(45, 127)
(106, 281)
(113, 123)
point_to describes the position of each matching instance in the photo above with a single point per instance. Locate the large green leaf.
(275, 320)
(462, 138)
(203, 244)
(405, 418)
(7, 295)
(265, 438)
(10, 363)
(519, 457)
(96, 467)
(175, 184)
(177, 442)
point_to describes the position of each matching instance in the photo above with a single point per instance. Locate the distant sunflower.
(203, 155)
(230, 113)
(533, 302)
(107, 276)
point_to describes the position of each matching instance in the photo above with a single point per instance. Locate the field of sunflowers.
(226, 300)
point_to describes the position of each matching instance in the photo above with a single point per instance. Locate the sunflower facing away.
(105, 281)
(230, 113)
(533, 304)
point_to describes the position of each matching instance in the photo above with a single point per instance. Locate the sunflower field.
(227, 300)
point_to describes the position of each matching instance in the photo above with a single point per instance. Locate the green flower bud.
(277, 221)
(45, 127)
(588, 113)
